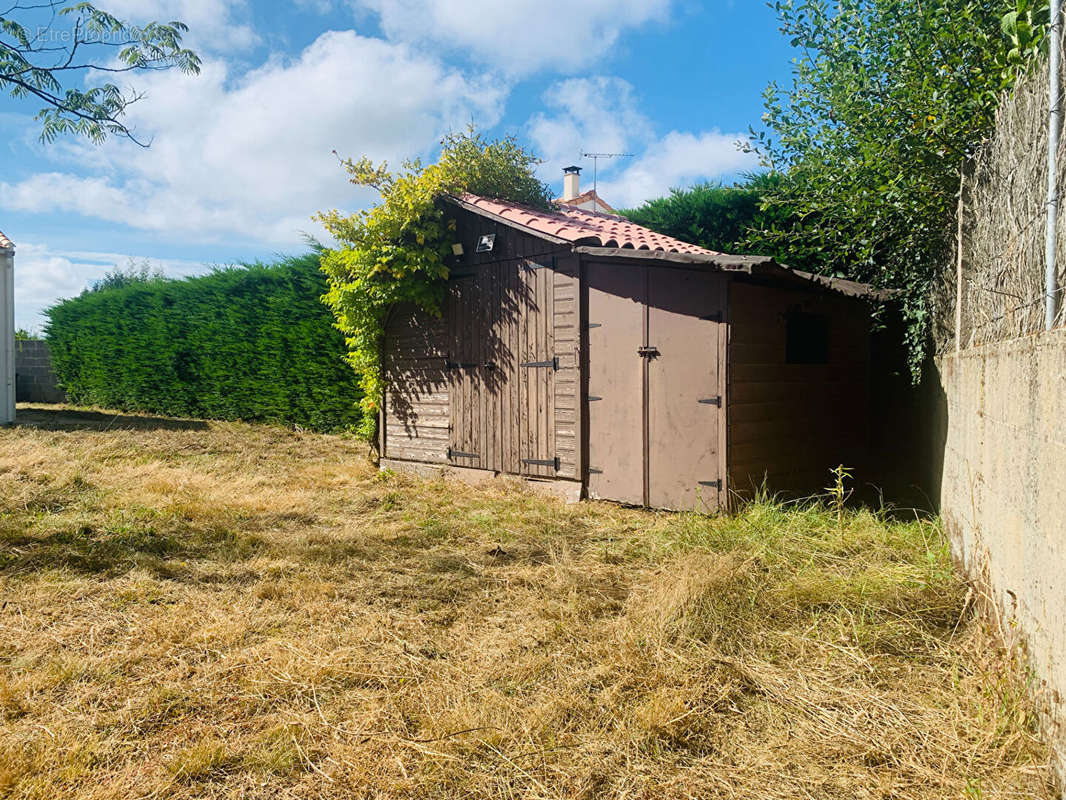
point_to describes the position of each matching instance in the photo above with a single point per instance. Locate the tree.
(46, 43)
(888, 99)
(134, 273)
(396, 251)
(720, 217)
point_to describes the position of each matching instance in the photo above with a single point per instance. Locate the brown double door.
(655, 386)
(501, 369)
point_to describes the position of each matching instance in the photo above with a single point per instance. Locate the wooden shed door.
(501, 368)
(684, 400)
(655, 349)
(615, 382)
(536, 371)
(466, 336)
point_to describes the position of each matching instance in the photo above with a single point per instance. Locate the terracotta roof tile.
(587, 227)
(5, 243)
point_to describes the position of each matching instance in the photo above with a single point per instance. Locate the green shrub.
(252, 342)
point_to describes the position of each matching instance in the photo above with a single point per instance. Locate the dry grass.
(248, 612)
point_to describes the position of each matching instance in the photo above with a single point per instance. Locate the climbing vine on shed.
(396, 251)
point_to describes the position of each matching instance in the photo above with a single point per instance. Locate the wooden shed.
(608, 361)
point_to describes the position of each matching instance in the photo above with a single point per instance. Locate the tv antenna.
(596, 162)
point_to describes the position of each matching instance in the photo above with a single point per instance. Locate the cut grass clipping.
(248, 612)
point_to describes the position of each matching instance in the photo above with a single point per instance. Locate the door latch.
(648, 351)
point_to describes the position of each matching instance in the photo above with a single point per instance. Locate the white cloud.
(518, 36)
(676, 160)
(589, 115)
(43, 276)
(250, 157)
(213, 24)
(602, 114)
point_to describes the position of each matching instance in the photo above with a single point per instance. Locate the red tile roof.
(5, 243)
(584, 227)
(622, 238)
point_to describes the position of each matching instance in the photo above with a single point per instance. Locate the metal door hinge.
(712, 484)
(711, 401)
(593, 398)
(552, 363)
(594, 325)
(595, 471)
(647, 351)
(542, 462)
(459, 454)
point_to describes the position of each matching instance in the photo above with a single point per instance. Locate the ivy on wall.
(396, 251)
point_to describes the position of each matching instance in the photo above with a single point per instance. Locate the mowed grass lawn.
(228, 610)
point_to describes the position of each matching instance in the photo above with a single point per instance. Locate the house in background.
(7, 331)
(573, 196)
(605, 360)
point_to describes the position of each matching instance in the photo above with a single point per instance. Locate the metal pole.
(1054, 122)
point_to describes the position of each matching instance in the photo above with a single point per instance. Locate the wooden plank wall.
(567, 329)
(519, 304)
(791, 423)
(416, 402)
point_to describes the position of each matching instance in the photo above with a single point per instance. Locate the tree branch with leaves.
(888, 99)
(47, 46)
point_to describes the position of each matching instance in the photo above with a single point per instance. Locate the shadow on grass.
(61, 418)
(116, 550)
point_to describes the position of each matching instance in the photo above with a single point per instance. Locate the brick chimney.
(571, 182)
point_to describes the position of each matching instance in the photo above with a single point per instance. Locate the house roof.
(610, 236)
(577, 226)
(587, 197)
(5, 243)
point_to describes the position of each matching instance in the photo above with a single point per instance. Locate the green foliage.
(134, 273)
(396, 251)
(1026, 28)
(888, 98)
(721, 217)
(252, 343)
(23, 335)
(44, 45)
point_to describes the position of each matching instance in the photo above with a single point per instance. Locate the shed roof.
(578, 226)
(5, 243)
(610, 236)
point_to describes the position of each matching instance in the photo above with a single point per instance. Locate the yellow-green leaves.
(396, 251)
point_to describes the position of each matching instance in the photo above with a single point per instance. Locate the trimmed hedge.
(252, 343)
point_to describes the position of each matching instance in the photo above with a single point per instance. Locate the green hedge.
(252, 342)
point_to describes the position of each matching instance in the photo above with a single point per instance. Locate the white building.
(7, 331)
(573, 196)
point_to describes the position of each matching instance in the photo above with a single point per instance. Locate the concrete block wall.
(35, 380)
(1002, 490)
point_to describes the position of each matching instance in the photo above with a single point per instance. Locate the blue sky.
(241, 155)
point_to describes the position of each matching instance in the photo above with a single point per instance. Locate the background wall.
(1002, 494)
(998, 418)
(35, 380)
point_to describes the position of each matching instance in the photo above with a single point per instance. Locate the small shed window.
(806, 338)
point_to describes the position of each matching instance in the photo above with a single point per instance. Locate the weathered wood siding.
(566, 318)
(790, 423)
(416, 420)
(459, 391)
